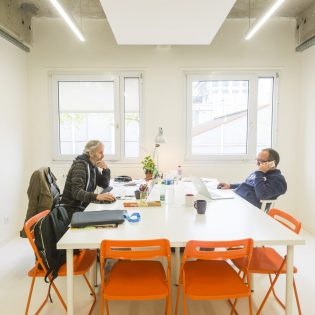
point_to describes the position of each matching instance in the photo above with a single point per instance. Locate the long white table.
(224, 220)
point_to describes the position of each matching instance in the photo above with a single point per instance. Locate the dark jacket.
(82, 179)
(261, 186)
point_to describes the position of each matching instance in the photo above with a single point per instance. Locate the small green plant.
(148, 164)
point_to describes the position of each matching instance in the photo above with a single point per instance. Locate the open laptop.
(214, 194)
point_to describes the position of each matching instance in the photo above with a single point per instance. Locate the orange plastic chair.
(208, 275)
(134, 276)
(81, 264)
(266, 260)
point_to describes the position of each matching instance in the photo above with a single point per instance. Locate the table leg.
(177, 264)
(289, 281)
(93, 274)
(70, 281)
(252, 282)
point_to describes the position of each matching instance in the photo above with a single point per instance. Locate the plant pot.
(148, 175)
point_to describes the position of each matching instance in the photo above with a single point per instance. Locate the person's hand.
(143, 187)
(101, 164)
(106, 196)
(224, 186)
(265, 167)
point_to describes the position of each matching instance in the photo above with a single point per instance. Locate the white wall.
(55, 48)
(306, 164)
(13, 122)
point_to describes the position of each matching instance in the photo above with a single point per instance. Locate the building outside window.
(230, 116)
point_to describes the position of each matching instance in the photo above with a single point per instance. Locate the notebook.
(97, 218)
(211, 193)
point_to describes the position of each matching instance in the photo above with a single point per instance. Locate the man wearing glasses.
(266, 182)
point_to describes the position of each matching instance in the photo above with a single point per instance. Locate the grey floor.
(17, 258)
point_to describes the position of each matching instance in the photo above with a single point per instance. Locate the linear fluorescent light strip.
(68, 20)
(262, 21)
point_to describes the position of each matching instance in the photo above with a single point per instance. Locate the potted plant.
(149, 167)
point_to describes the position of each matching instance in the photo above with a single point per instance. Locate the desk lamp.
(158, 140)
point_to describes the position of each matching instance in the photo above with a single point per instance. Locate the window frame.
(124, 75)
(251, 143)
(119, 117)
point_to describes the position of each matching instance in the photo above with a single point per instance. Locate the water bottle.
(179, 172)
(169, 192)
(162, 191)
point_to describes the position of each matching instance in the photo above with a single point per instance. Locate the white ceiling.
(165, 22)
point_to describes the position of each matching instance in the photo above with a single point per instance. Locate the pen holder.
(137, 194)
(143, 195)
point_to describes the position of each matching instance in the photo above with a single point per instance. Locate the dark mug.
(200, 206)
(137, 194)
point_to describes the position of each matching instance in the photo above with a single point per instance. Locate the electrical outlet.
(6, 219)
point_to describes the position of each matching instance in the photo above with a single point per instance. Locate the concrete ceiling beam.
(15, 22)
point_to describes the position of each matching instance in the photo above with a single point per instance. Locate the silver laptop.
(211, 193)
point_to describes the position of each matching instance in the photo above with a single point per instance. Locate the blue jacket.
(261, 186)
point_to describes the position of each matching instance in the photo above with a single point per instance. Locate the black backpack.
(47, 232)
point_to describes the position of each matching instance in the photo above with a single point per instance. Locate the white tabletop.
(226, 219)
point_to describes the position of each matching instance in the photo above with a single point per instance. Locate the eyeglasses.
(259, 161)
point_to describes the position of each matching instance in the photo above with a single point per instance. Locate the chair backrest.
(286, 219)
(222, 250)
(29, 231)
(135, 249)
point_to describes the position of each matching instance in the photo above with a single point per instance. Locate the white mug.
(189, 200)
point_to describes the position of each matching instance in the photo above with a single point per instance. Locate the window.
(103, 107)
(229, 116)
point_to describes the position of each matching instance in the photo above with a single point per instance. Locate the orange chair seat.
(265, 260)
(81, 264)
(213, 280)
(137, 280)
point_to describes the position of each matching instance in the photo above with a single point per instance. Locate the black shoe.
(22, 234)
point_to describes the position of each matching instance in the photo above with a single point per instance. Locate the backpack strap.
(53, 187)
(51, 179)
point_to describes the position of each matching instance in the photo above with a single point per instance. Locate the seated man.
(266, 182)
(84, 176)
